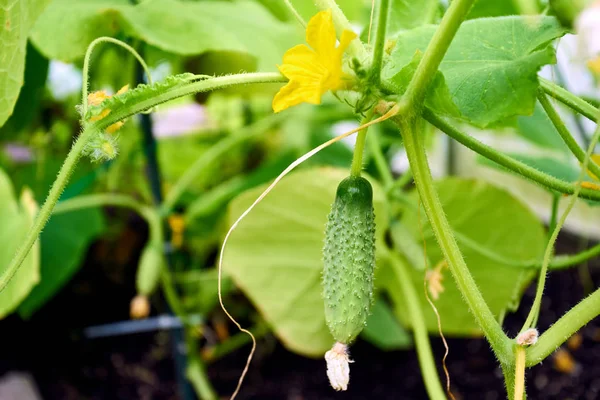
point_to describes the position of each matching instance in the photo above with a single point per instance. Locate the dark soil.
(66, 366)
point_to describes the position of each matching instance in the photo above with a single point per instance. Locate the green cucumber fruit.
(349, 259)
(149, 268)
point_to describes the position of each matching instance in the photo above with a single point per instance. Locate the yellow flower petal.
(320, 33)
(302, 61)
(293, 94)
(312, 72)
(96, 98)
(345, 40)
(123, 89)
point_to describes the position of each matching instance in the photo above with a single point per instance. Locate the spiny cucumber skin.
(349, 259)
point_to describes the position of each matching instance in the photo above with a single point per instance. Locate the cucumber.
(349, 259)
(149, 268)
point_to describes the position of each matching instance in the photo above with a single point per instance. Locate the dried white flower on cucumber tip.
(338, 366)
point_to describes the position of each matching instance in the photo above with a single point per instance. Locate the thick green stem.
(565, 134)
(535, 308)
(574, 102)
(359, 148)
(44, 214)
(417, 158)
(516, 166)
(456, 13)
(378, 50)
(209, 157)
(564, 328)
(424, 353)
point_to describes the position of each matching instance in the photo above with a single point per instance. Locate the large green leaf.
(491, 66)
(383, 329)
(16, 17)
(438, 96)
(487, 221)
(65, 240)
(16, 218)
(409, 14)
(183, 27)
(492, 8)
(274, 255)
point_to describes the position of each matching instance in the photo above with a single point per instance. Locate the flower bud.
(139, 307)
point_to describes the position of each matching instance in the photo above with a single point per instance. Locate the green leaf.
(275, 254)
(492, 8)
(16, 217)
(488, 220)
(491, 66)
(438, 96)
(383, 329)
(538, 129)
(16, 17)
(183, 27)
(65, 240)
(409, 14)
(27, 108)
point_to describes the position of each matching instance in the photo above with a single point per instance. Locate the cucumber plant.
(441, 67)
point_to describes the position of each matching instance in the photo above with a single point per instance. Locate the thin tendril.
(392, 112)
(437, 315)
(86, 66)
(295, 12)
(371, 21)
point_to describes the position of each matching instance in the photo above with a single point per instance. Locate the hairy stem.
(564, 328)
(565, 134)
(510, 163)
(535, 308)
(417, 158)
(426, 360)
(569, 99)
(44, 214)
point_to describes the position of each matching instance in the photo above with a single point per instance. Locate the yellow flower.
(96, 98)
(312, 72)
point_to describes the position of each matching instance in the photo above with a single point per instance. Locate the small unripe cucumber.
(349, 259)
(149, 268)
